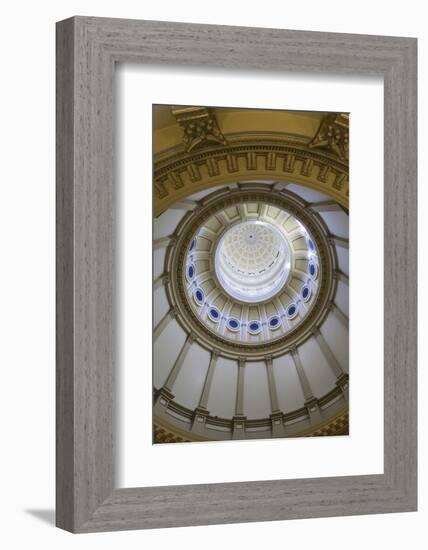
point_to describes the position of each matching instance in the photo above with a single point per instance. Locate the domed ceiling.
(256, 261)
(252, 259)
(247, 269)
(250, 313)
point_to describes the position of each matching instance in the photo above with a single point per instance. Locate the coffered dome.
(252, 260)
(252, 271)
(247, 270)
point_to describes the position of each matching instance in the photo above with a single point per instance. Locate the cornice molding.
(275, 158)
(337, 424)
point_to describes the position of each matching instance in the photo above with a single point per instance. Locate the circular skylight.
(252, 261)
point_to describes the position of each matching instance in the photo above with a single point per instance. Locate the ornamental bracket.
(200, 127)
(333, 135)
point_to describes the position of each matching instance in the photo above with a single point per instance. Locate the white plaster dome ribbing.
(252, 261)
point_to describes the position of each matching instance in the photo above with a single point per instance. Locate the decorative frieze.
(251, 160)
(175, 177)
(213, 169)
(271, 161)
(232, 163)
(175, 180)
(307, 167)
(289, 163)
(160, 190)
(194, 172)
(339, 182)
(323, 173)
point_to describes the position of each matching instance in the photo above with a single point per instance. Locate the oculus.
(252, 261)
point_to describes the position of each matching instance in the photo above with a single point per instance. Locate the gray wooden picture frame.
(87, 50)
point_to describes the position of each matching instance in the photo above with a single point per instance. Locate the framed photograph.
(236, 274)
(251, 276)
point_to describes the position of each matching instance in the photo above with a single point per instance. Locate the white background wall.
(27, 271)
